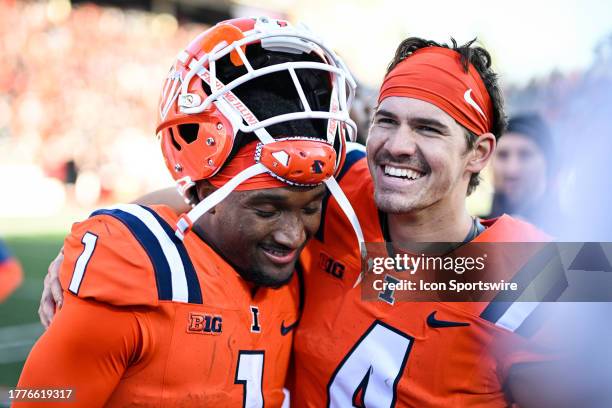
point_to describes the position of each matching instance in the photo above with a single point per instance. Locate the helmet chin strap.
(347, 208)
(187, 220)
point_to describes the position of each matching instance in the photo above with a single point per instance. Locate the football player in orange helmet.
(198, 310)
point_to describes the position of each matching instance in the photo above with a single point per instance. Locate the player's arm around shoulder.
(355, 166)
(168, 196)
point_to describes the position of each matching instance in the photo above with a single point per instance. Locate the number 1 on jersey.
(249, 373)
(369, 374)
(89, 241)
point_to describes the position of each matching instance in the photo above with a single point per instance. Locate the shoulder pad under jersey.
(128, 255)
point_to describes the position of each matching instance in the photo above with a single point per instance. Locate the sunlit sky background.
(528, 38)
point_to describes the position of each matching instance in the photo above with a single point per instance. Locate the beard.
(258, 277)
(392, 202)
(253, 274)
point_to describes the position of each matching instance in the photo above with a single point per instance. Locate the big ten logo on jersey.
(204, 323)
(331, 266)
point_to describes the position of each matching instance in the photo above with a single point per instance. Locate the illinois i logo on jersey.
(255, 327)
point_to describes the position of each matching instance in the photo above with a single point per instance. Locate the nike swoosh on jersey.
(435, 323)
(286, 329)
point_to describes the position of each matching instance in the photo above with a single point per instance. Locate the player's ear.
(203, 190)
(481, 153)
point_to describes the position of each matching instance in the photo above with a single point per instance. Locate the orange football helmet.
(202, 115)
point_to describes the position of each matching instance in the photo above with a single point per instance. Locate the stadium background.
(79, 86)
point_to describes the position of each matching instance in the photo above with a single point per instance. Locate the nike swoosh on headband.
(468, 98)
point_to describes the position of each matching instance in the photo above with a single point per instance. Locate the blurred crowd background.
(79, 86)
(78, 95)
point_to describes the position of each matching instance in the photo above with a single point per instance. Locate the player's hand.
(52, 296)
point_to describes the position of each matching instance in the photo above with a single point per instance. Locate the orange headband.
(243, 159)
(435, 75)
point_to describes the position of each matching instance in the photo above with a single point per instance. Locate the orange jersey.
(151, 321)
(349, 352)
